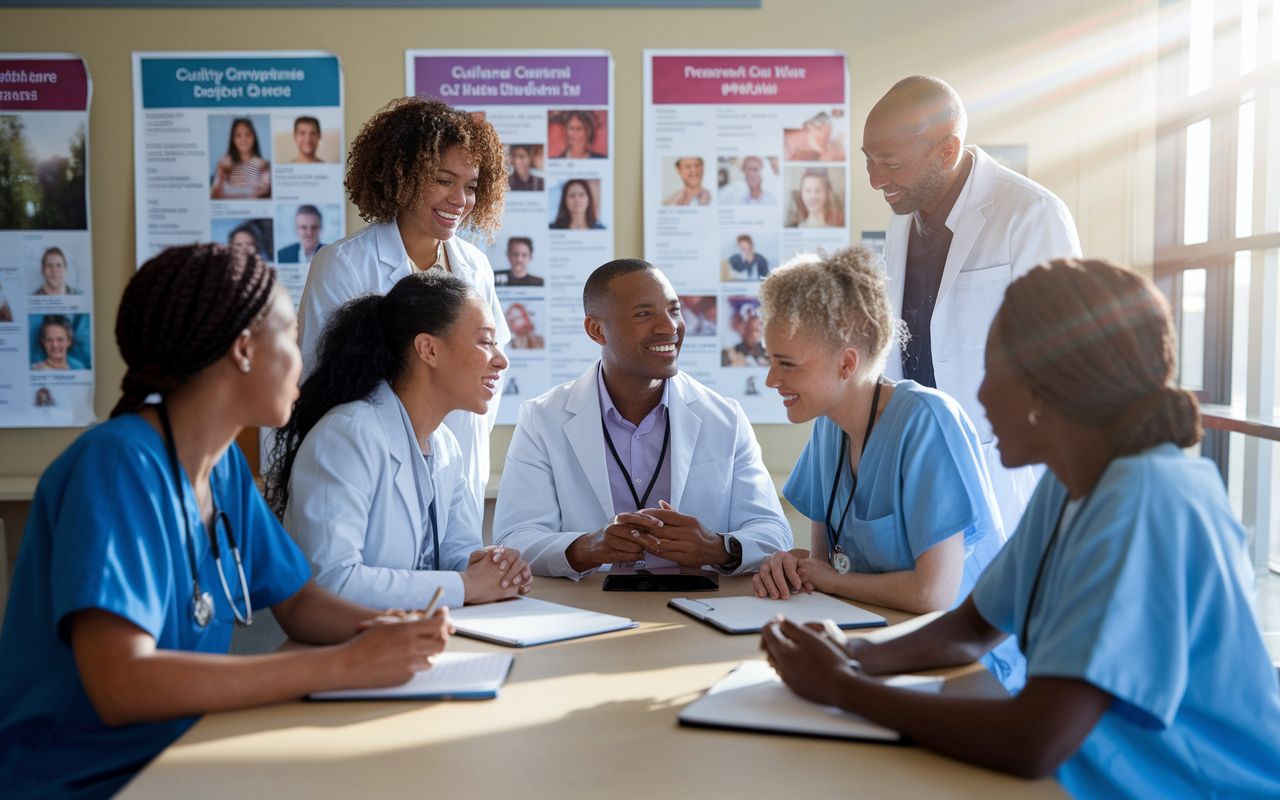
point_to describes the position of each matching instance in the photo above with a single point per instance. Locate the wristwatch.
(734, 548)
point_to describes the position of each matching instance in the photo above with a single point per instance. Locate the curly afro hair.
(397, 152)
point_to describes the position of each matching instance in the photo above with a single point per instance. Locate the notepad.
(525, 621)
(453, 676)
(749, 614)
(754, 698)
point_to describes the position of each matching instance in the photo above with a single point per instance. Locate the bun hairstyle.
(841, 298)
(1096, 342)
(181, 312)
(367, 341)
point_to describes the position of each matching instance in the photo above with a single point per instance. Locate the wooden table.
(592, 717)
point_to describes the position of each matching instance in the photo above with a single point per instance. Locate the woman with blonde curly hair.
(892, 478)
(420, 171)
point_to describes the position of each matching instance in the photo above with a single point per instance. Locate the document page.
(525, 621)
(460, 675)
(749, 614)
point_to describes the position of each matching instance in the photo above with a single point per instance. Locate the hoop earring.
(1033, 416)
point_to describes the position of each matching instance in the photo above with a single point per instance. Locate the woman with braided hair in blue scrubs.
(1128, 583)
(147, 542)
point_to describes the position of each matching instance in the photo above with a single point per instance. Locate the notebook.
(753, 698)
(525, 621)
(749, 614)
(453, 676)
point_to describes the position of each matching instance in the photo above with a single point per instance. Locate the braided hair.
(367, 341)
(181, 312)
(1096, 342)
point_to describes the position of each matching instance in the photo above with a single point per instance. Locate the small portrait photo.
(748, 181)
(524, 168)
(819, 138)
(682, 181)
(747, 256)
(44, 398)
(56, 266)
(307, 138)
(743, 337)
(699, 312)
(241, 168)
(519, 255)
(6, 309)
(249, 235)
(576, 205)
(815, 197)
(59, 341)
(302, 229)
(578, 134)
(523, 318)
(42, 164)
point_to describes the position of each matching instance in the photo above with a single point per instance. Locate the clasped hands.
(787, 572)
(662, 531)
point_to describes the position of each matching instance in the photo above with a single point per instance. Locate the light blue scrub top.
(921, 480)
(1148, 596)
(104, 531)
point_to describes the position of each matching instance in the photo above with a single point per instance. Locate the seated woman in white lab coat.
(368, 481)
(892, 477)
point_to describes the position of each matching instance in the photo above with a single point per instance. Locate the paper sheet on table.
(525, 621)
(453, 676)
(753, 698)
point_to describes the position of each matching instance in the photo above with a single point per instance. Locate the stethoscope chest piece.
(840, 560)
(202, 608)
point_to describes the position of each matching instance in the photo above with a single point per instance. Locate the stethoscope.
(202, 602)
(835, 553)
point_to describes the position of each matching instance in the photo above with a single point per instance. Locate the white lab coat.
(354, 507)
(1002, 224)
(372, 260)
(555, 485)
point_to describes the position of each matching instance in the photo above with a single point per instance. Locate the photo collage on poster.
(243, 149)
(46, 249)
(746, 165)
(553, 111)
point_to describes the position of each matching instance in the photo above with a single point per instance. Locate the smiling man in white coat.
(963, 228)
(635, 460)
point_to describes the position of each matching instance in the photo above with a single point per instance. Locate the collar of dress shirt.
(608, 409)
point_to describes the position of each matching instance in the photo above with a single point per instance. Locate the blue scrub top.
(1149, 596)
(921, 480)
(104, 531)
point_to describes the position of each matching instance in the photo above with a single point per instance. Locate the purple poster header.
(513, 80)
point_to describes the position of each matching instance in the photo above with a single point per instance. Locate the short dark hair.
(524, 240)
(309, 209)
(596, 290)
(301, 120)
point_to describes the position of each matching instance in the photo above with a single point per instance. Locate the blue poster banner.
(240, 82)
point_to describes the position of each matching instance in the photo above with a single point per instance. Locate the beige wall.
(1071, 78)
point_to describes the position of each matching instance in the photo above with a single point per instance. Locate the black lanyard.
(833, 539)
(435, 536)
(662, 456)
(1044, 557)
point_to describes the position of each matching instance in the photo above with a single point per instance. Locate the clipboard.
(752, 698)
(453, 676)
(748, 614)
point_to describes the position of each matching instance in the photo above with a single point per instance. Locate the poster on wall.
(240, 148)
(746, 164)
(46, 250)
(553, 111)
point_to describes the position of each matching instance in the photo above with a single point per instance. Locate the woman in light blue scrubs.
(1128, 582)
(369, 482)
(900, 502)
(147, 542)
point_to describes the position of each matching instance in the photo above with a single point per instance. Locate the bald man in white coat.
(963, 228)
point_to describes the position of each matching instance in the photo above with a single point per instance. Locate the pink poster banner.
(43, 84)
(763, 79)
